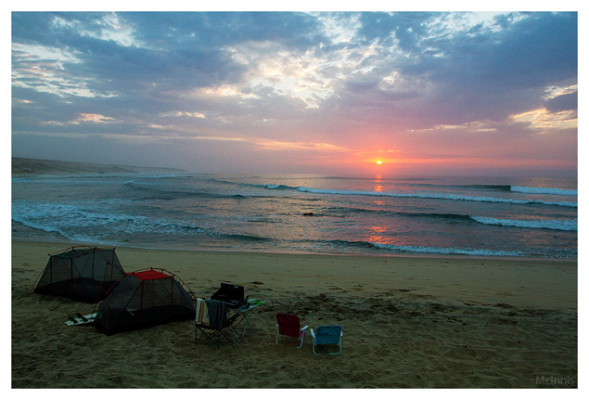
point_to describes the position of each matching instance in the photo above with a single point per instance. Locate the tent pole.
(71, 275)
(142, 291)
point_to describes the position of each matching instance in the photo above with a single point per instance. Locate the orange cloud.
(283, 145)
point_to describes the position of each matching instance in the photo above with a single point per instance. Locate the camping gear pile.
(155, 296)
(224, 316)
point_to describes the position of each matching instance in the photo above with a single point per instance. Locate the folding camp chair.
(212, 322)
(290, 325)
(327, 335)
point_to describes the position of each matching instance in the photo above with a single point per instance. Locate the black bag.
(232, 295)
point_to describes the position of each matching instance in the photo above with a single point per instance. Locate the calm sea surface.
(515, 217)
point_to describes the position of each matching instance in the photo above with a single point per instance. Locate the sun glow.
(379, 162)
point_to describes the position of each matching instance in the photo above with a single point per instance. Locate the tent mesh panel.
(137, 303)
(81, 273)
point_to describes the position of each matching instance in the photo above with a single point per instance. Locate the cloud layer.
(299, 92)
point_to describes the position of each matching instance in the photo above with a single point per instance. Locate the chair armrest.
(304, 327)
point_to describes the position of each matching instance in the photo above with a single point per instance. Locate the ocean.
(380, 216)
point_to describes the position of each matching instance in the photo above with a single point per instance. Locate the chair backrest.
(217, 313)
(328, 334)
(288, 325)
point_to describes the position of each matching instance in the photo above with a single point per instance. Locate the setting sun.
(379, 162)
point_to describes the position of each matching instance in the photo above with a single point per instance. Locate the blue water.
(513, 217)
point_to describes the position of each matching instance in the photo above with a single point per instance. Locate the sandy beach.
(407, 322)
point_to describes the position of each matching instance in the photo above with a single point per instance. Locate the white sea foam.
(443, 250)
(73, 221)
(556, 224)
(543, 190)
(435, 196)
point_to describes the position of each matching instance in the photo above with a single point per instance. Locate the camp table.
(244, 312)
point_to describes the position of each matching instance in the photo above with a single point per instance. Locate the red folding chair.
(290, 325)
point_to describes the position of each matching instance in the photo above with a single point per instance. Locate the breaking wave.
(555, 224)
(424, 249)
(542, 190)
(443, 250)
(436, 196)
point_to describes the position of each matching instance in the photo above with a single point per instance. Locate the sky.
(333, 93)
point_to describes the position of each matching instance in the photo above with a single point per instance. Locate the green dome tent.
(81, 273)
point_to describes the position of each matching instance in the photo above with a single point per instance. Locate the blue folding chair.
(327, 335)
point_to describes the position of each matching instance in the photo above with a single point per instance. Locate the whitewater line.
(438, 196)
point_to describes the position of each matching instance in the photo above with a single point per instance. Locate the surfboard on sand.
(80, 319)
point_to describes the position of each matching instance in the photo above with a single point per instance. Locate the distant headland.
(31, 166)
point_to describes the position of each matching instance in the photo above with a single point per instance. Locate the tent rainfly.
(144, 298)
(81, 273)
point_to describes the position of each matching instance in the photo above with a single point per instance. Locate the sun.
(379, 162)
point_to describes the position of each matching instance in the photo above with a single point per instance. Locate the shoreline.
(68, 243)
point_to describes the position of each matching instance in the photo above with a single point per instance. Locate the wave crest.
(543, 190)
(555, 224)
(436, 196)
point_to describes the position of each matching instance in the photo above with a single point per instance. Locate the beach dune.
(407, 322)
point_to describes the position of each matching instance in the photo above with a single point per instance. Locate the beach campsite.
(306, 199)
(425, 322)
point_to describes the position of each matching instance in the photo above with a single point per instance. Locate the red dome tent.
(144, 298)
(81, 273)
